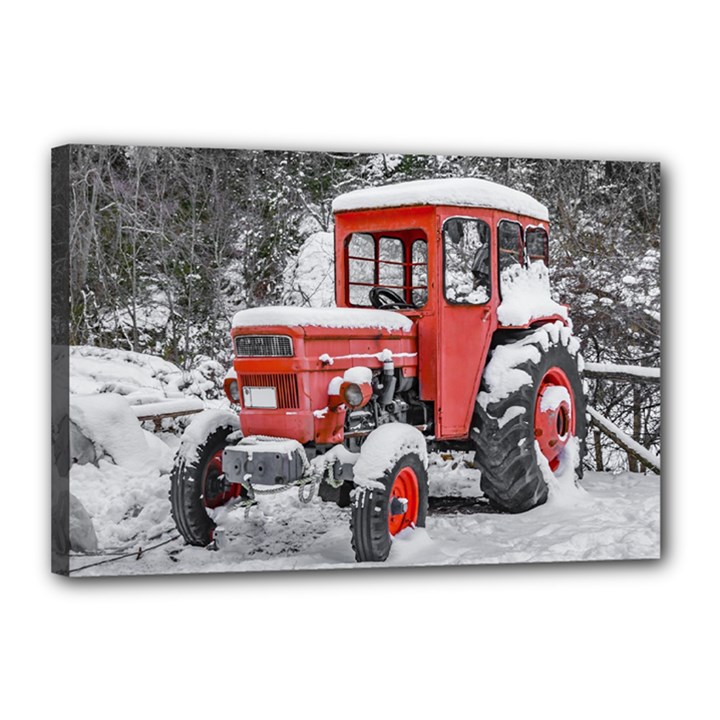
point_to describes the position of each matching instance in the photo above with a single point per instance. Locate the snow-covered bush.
(142, 378)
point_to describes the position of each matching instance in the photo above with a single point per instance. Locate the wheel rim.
(554, 415)
(405, 488)
(213, 490)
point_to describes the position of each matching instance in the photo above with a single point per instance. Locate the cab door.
(466, 317)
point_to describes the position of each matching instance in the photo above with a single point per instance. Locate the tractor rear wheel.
(529, 416)
(197, 485)
(378, 515)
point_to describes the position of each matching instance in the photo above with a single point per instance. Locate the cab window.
(419, 275)
(536, 245)
(509, 244)
(466, 250)
(387, 269)
(391, 265)
(361, 267)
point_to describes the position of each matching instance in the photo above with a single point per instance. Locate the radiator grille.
(285, 385)
(263, 346)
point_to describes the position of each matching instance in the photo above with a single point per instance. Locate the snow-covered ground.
(616, 517)
(125, 484)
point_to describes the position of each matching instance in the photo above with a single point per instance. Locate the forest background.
(167, 243)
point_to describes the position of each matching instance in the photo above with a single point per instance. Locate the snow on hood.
(462, 192)
(322, 317)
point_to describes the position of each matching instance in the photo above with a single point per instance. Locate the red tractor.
(444, 332)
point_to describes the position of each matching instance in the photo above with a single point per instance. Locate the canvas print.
(277, 360)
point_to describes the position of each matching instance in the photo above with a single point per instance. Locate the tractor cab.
(462, 258)
(414, 245)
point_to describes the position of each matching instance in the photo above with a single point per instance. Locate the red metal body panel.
(348, 347)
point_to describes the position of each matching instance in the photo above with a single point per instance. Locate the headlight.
(356, 395)
(353, 395)
(232, 390)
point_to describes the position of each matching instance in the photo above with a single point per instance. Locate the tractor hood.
(289, 359)
(336, 318)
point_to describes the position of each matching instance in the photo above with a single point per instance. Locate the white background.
(609, 640)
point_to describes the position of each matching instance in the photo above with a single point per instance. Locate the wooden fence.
(626, 374)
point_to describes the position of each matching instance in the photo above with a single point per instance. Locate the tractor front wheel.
(197, 485)
(378, 514)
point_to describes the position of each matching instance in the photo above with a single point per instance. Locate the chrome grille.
(263, 346)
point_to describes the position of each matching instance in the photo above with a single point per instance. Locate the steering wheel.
(384, 298)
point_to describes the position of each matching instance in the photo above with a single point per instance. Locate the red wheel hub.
(214, 493)
(404, 501)
(554, 415)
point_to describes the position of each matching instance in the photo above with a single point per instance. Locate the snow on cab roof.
(463, 192)
(322, 317)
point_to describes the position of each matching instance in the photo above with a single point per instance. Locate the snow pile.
(358, 375)
(82, 449)
(502, 374)
(414, 546)
(454, 474)
(383, 448)
(526, 295)
(83, 538)
(128, 508)
(562, 485)
(309, 277)
(124, 486)
(120, 471)
(141, 378)
(553, 397)
(461, 192)
(322, 317)
(110, 424)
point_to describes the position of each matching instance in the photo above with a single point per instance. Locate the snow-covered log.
(625, 373)
(168, 409)
(647, 458)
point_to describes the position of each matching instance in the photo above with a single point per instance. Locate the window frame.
(406, 289)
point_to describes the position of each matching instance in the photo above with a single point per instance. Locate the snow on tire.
(196, 483)
(531, 403)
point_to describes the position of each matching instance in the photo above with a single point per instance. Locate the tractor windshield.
(387, 269)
